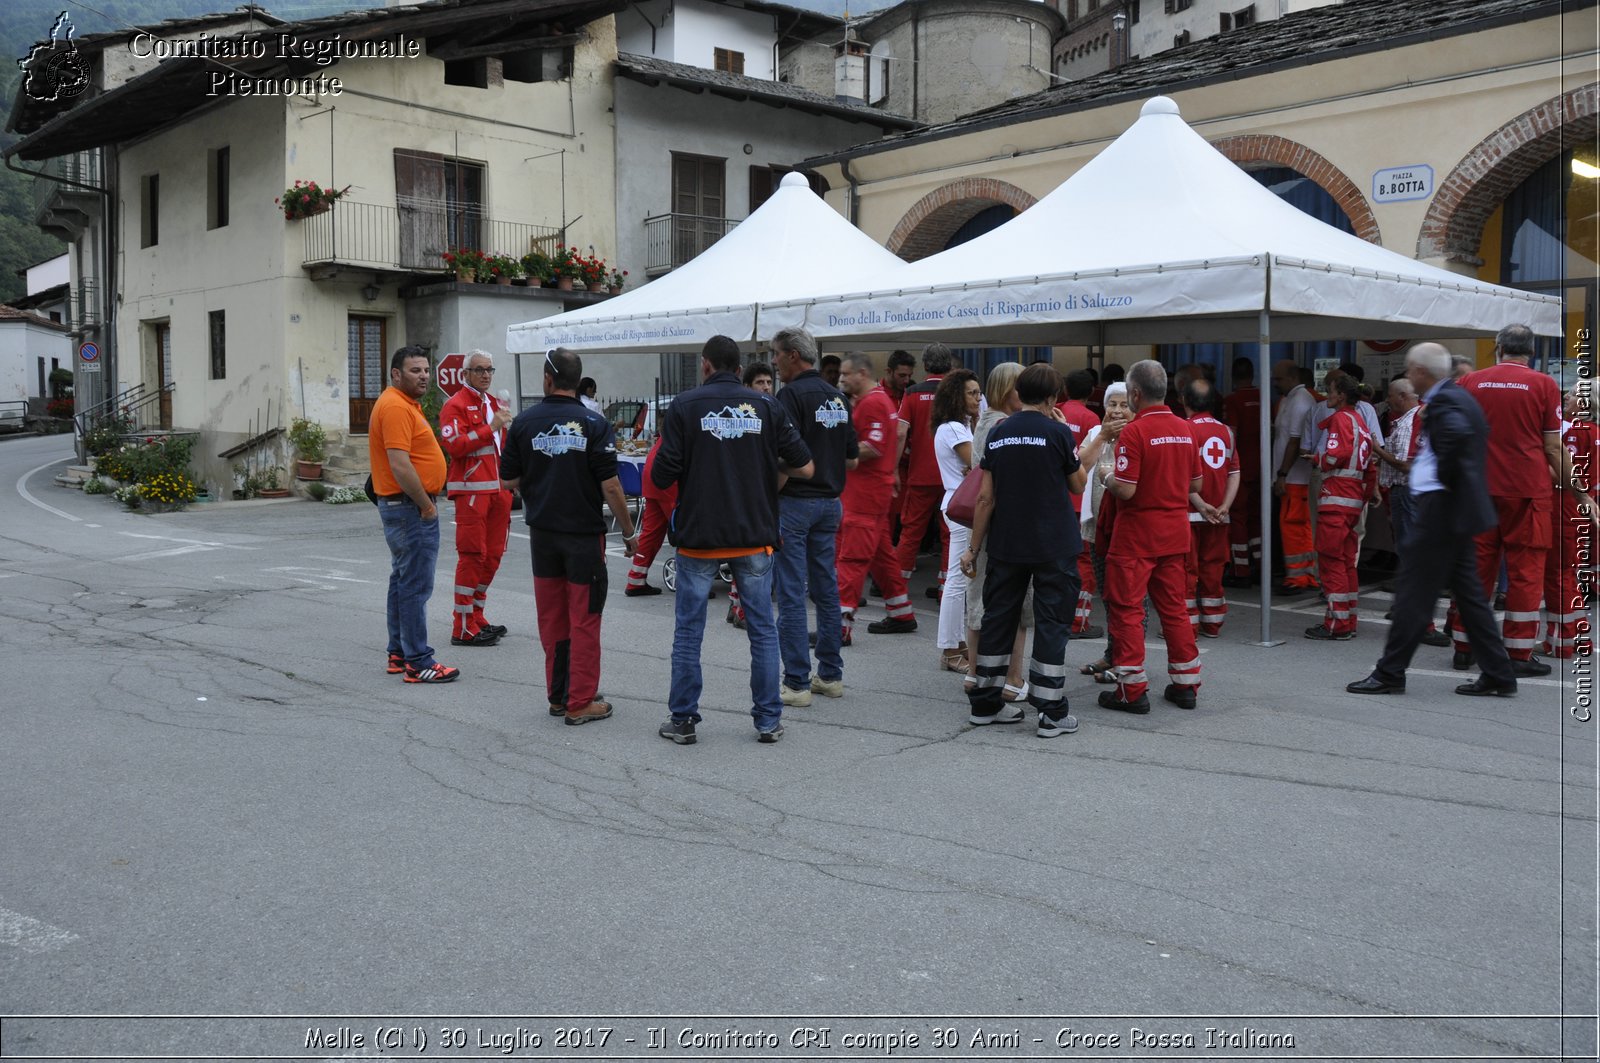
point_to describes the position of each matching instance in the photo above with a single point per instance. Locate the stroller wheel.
(669, 574)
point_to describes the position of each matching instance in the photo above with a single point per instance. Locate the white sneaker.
(828, 688)
(1007, 714)
(795, 699)
(1049, 728)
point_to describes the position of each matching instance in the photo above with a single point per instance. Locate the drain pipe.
(855, 212)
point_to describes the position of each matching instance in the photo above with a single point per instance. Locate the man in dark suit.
(1450, 494)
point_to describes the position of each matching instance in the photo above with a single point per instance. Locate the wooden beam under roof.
(461, 50)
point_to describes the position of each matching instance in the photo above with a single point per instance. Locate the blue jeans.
(414, 552)
(810, 531)
(754, 577)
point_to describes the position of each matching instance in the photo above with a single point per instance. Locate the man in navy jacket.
(1450, 496)
(725, 447)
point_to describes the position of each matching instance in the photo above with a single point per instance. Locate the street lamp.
(1119, 23)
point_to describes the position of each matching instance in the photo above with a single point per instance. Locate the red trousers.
(1337, 551)
(1567, 623)
(1522, 537)
(1208, 558)
(483, 526)
(1299, 548)
(863, 547)
(1086, 591)
(569, 592)
(1244, 529)
(918, 505)
(1128, 580)
(652, 533)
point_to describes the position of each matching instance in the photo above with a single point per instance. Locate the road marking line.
(342, 560)
(22, 489)
(170, 539)
(30, 935)
(1469, 676)
(174, 552)
(319, 573)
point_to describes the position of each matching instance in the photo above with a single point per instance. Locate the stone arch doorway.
(934, 220)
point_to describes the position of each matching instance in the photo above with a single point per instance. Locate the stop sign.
(449, 373)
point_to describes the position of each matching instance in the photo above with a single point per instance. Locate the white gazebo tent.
(790, 246)
(1162, 239)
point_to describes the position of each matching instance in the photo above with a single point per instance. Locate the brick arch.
(933, 219)
(1253, 151)
(1480, 182)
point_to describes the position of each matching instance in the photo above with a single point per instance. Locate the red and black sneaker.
(397, 664)
(432, 673)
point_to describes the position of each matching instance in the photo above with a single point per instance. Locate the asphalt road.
(215, 802)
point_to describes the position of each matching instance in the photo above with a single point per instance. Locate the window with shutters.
(1245, 16)
(699, 204)
(729, 61)
(1174, 6)
(441, 206)
(365, 344)
(764, 181)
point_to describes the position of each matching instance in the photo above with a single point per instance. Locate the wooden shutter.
(419, 196)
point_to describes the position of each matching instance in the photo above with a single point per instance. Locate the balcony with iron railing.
(66, 209)
(86, 303)
(671, 240)
(411, 239)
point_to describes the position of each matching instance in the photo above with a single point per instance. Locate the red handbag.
(963, 507)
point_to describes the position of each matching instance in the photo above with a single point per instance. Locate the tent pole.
(1264, 356)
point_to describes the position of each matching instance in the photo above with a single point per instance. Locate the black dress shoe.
(484, 637)
(1376, 684)
(1179, 695)
(1138, 706)
(1531, 667)
(893, 625)
(1484, 687)
(644, 590)
(1435, 638)
(1461, 661)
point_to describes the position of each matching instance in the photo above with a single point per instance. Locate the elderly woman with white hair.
(1099, 508)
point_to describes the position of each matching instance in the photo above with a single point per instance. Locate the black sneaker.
(770, 736)
(893, 625)
(679, 731)
(484, 637)
(1179, 695)
(644, 590)
(1138, 706)
(500, 630)
(1435, 638)
(1321, 634)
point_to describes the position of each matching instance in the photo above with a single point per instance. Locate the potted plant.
(469, 263)
(565, 265)
(618, 277)
(268, 484)
(310, 441)
(305, 198)
(503, 269)
(536, 264)
(593, 272)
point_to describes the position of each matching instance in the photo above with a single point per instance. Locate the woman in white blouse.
(955, 411)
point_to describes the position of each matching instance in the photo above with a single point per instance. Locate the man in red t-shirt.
(863, 542)
(1569, 569)
(1241, 411)
(1156, 469)
(923, 488)
(1209, 509)
(1523, 408)
(1081, 419)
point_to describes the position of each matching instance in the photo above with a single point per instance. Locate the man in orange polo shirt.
(408, 472)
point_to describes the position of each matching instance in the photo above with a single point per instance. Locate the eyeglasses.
(481, 369)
